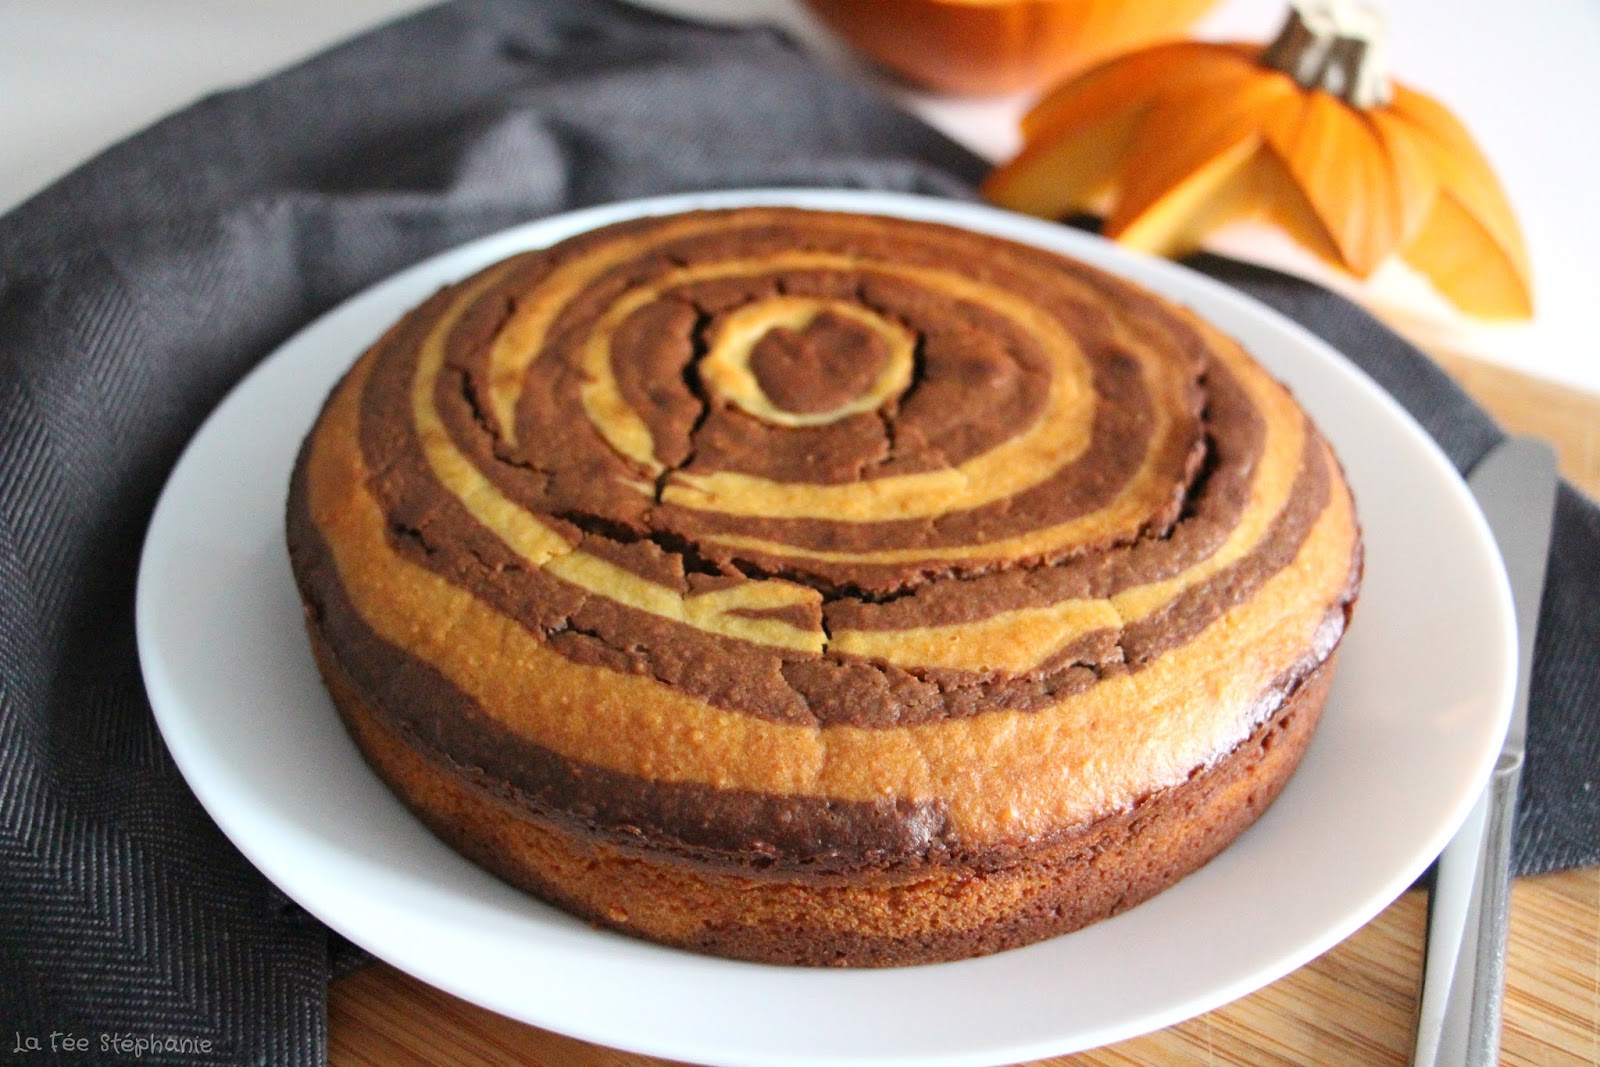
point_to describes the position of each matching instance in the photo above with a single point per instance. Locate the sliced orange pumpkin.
(1172, 141)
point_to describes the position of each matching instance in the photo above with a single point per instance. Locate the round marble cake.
(819, 588)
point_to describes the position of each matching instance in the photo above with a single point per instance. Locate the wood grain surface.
(1354, 1005)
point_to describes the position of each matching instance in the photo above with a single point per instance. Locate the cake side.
(885, 919)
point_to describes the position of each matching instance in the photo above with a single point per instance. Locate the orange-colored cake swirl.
(822, 588)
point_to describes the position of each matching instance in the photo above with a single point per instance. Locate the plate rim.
(1100, 253)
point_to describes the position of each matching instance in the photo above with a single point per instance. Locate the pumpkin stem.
(1336, 46)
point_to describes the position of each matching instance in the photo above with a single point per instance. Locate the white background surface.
(76, 75)
(1412, 728)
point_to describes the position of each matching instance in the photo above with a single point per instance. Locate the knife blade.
(1464, 973)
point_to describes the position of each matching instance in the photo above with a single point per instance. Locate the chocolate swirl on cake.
(819, 554)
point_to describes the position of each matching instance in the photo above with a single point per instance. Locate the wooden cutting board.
(1355, 1005)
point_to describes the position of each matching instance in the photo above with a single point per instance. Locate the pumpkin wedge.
(1172, 141)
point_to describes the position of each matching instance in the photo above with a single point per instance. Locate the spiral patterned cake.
(820, 588)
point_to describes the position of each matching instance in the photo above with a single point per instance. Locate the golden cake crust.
(923, 593)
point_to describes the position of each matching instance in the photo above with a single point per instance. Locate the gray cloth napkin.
(135, 291)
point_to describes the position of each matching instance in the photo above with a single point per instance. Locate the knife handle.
(1470, 1034)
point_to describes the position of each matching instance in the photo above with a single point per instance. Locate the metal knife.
(1464, 974)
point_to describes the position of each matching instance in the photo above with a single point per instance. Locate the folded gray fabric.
(136, 291)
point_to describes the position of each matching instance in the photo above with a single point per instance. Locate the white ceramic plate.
(1419, 706)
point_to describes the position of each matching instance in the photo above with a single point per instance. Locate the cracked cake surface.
(822, 588)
